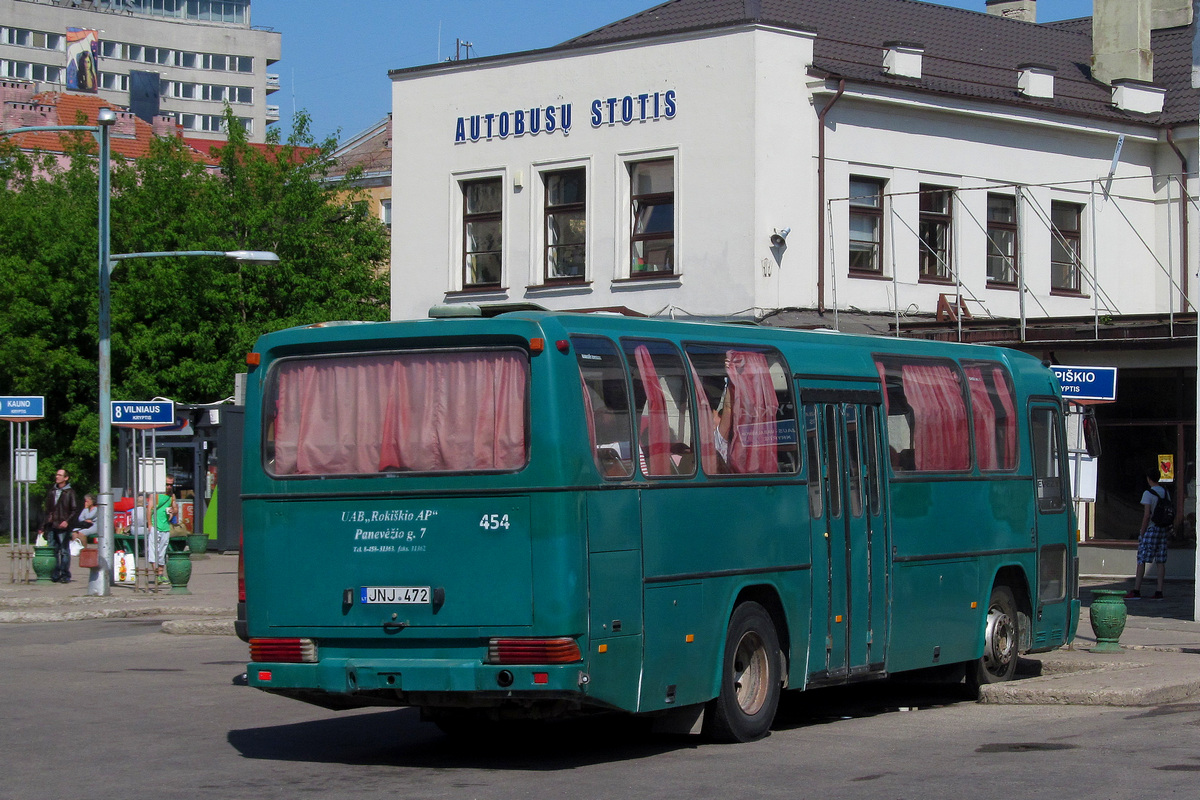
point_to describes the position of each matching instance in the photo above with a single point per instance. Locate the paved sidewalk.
(1159, 662)
(209, 608)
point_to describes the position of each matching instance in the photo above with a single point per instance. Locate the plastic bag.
(76, 546)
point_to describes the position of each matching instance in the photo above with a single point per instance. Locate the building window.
(385, 213)
(566, 224)
(1002, 239)
(866, 225)
(936, 225)
(1065, 246)
(114, 50)
(27, 38)
(652, 196)
(23, 70)
(114, 81)
(482, 227)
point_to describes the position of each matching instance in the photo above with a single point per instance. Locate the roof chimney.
(1024, 10)
(1121, 40)
(903, 60)
(1170, 14)
(1036, 80)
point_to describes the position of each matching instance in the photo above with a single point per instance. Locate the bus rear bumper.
(342, 676)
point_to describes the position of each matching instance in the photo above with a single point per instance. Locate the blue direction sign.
(1098, 384)
(142, 413)
(22, 408)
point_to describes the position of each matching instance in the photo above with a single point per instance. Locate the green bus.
(532, 514)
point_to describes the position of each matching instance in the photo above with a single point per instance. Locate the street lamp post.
(101, 585)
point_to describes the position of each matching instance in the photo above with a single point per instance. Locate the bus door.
(850, 565)
(1053, 613)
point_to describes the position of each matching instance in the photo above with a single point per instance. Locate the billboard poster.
(83, 50)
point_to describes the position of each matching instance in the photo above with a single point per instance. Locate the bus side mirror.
(1091, 434)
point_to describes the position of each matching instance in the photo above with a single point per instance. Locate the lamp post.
(102, 583)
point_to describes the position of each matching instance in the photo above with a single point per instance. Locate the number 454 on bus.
(536, 515)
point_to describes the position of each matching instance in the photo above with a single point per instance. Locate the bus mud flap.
(683, 721)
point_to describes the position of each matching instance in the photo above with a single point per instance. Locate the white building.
(205, 53)
(887, 165)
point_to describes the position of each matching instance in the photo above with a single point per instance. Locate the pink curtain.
(421, 412)
(704, 412)
(655, 429)
(753, 445)
(1009, 454)
(939, 417)
(985, 418)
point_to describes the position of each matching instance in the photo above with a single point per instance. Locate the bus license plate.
(405, 595)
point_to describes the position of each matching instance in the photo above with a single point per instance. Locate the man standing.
(61, 509)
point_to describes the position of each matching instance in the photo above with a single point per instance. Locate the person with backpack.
(1158, 517)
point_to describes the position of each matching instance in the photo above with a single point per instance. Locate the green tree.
(180, 326)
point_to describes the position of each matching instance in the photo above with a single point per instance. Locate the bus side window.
(927, 415)
(664, 411)
(606, 405)
(994, 412)
(1047, 459)
(745, 409)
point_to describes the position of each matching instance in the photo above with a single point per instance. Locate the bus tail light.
(562, 650)
(291, 651)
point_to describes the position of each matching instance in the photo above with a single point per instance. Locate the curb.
(1106, 686)
(199, 627)
(30, 615)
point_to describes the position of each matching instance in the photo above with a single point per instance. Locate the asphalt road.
(116, 709)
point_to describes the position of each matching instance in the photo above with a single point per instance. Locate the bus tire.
(1000, 640)
(751, 678)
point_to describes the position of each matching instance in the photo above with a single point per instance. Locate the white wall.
(744, 139)
(719, 86)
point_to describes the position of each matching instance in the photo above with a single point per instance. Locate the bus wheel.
(750, 678)
(1000, 637)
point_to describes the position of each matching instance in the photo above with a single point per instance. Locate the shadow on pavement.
(399, 738)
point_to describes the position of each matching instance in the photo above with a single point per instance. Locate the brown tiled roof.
(968, 54)
(68, 106)
(206, 146)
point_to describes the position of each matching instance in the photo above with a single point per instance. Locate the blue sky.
(336, 55)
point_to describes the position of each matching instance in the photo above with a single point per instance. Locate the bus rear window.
(432, 411)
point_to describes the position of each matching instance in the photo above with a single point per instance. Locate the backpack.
(1163, 515)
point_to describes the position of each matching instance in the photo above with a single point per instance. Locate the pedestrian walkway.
(212, 587)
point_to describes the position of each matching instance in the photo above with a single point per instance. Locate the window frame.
(652, 200)
(469, 218)
(863, 211)
(550, 211)
(1061, 240)
(931, 268)
(1007, 228)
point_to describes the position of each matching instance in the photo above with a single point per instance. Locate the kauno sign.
(557, 118)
